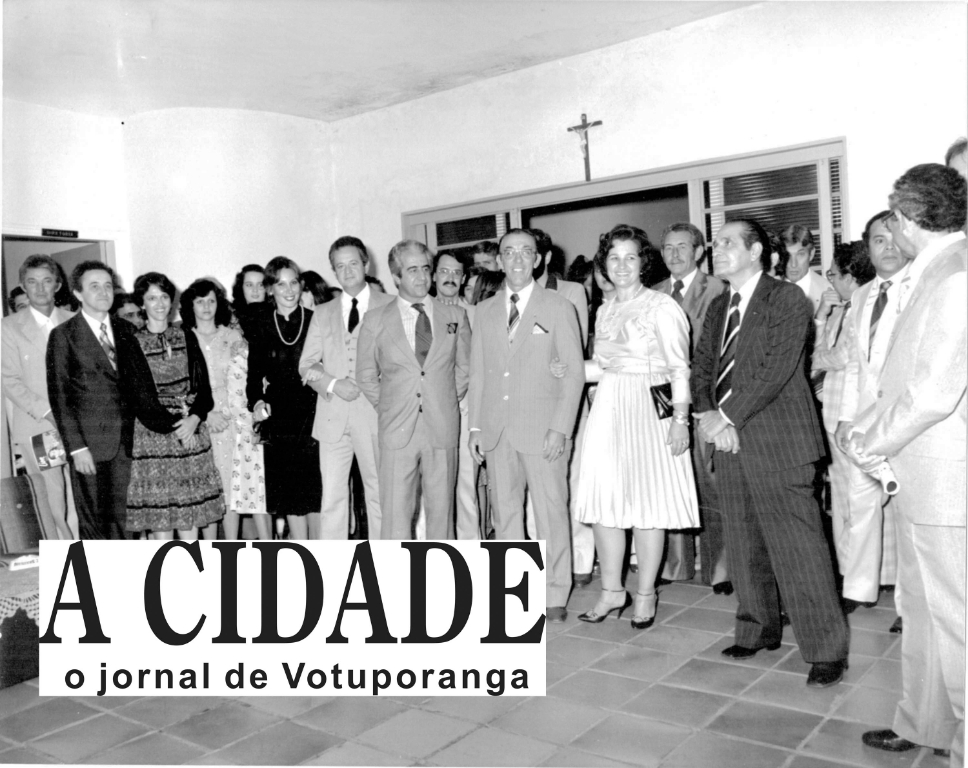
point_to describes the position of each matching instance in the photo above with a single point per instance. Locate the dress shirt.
(46, 324)
(885, 326)
(523, 296)
(362, 304)
(745, 292)
(916, 268)
(686, 281)
(95, 326)
(409, 317)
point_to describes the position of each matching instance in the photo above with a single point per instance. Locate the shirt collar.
(42, 321)
(362, 299)
(523, 295)
(687, 280)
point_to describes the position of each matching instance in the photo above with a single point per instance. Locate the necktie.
(513, 315)
(841, 326)
(879, 305)
(354, 317)
(728, 356)
(677, 291)
(108, 347)
(423, 335)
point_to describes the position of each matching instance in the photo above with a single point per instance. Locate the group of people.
(691, 406)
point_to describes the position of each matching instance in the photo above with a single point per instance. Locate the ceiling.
(319, 59)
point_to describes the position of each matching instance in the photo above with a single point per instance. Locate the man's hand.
(558, 368)
(216, 422)
(711, 423)
(347, 389)
(314, 373)
(727, 441)
(474, 446)
(842, 434)
(84, 462)
(554, 445)
(828, 300)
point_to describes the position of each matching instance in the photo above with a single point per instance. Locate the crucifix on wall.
(582, 130)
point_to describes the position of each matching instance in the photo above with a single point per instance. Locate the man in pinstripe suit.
(753, 400)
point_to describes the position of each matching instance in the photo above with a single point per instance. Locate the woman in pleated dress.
(635, 467)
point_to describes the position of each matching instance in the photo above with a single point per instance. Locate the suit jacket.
(94, 405)
(920, 409)
(512, 388)
(771, 403)
(860, 379)
(575, 293)
(695, 303)
(326, 343)
(816, 286)
(24, 372)
(830, 355)
(393, 381)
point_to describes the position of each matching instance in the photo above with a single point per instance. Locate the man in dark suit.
(753, 400)
(98, 381)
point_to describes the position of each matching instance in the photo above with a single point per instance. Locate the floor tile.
(867, 705)
(567, 757)
(285, 706)
(680, 706)
(350, 716)
(931, 760)
(703, 618)
(281, 744)
(88, 738)
(840, 740)
(152, 749)
(639, 663)
(859, 666)
(550, 719)
(349, 753)
(480, 709)
(804, 761)
(487, 746)
(107, 702)
(683, 594)
(709, 749)
(632, 740)
(712, 676)
(597, 689)
(19, 697)
(53, 714)
(162, 711)
(879, 621)
(555, 672)
(24, 756)
(611, 630)
(768, 725)
(870, 643)
(670, 639)
(884, 674)
(415, 733)
(720, 602)
(210, 759)
(568, 649)
(787, 690)
(217, 727)
(763, 659)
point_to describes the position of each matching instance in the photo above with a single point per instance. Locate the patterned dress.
(172, 487)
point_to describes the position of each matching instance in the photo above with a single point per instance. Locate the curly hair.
(148, 279)
(238, 297)
(620, 234)
(199, 290)
(854, 259)
(933, 196)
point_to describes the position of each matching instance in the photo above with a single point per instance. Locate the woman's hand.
(678, 439)
(261, 412)
(185, 428)
(216, 422)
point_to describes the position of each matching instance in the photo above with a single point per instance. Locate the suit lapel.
(693, 296)
(336, 329)
(526, 323)
(751, 322)
(31, 331)
(394, 325)
(439, 326)
(93, 350)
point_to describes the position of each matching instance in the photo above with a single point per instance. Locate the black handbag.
(662, 399)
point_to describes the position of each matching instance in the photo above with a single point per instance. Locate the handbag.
(662, 399)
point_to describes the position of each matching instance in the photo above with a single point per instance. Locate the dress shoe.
(741, 652)
(633, 568)
(824, 674)
(642, 599)
(896, 627)
(784, 619)
(723, 588)
(606, 604)
(888, 741)
(557, 614)
(581, 579)
(851, 605)
(887, 588)
(661, 582)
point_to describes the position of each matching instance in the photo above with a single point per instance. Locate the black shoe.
(851, 605)
(598, 614)
(638, 620)
(824, 674)
(581, 579)
(896, 627)
(633, 568)
(888, 741)
(557, 614)
(942, 752)
(723, 588)
(741, 652)
(784, 619)
(887, 588)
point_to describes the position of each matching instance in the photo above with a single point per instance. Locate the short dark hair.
(89, 266)
(799, 234)
(14, 295)
(199, 290)
(778, 247)
(373, 280)
(485, 246)
(460, 258)
(317, 286)
(120, 299)
(148, 279)
(238, 297)
(958, 148)
(487, 285)
(866, 237)
(393, 259)
(620, 234)
(853, 259)
(348, 241)
(753, 232)
(518, 231)
(933, 196)
(275, 266)
(580, 269)
(698, 239)
(39, 261)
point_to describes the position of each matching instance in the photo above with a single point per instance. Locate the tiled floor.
(661, 697)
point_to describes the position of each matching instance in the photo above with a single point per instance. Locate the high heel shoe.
(638, 620)
(594, 617)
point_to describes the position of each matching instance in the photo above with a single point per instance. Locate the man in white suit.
(24, 379)
(919, 422)
(345, 423)
(801, 247)
(522, 416)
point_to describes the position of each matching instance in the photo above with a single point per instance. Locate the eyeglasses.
(458, 273)
(831, 274)
(527, 253)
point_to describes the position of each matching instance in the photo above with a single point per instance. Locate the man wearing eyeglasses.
(521, 415)
(683, 248)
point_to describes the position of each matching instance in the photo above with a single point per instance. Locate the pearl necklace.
(302, 319)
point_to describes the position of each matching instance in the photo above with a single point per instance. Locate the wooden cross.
(582, 130)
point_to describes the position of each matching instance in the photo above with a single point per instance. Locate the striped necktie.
(108, 347)
(423, 335)
(513, 316)
(879, 305)
(728, 356)
(843, 317)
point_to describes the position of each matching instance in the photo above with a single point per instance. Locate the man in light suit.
(574, 292)
(521, 415)
(683, 247)
(345, 423)
(24, 366)
(919, 421)
(413, 368)
(752, 399)
(801, 247)
(864, 528)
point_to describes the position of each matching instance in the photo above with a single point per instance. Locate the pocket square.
(451, 327)
(537, 329)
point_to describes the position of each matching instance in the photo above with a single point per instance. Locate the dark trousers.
(774, 538)
(101, 499)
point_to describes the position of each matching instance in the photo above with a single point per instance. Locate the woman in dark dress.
(280, 403)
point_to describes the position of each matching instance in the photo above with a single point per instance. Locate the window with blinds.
(467, 232)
